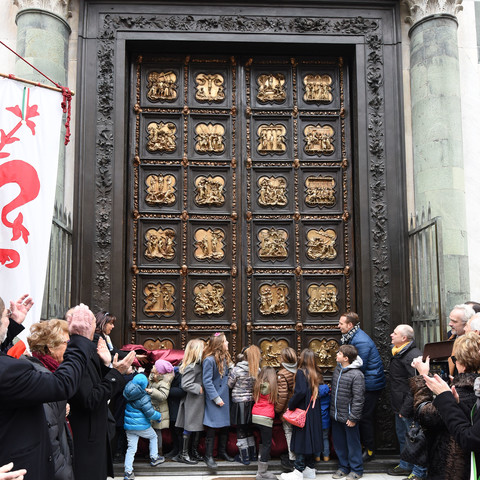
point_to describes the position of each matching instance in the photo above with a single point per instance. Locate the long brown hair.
(215, 349)
(266, 375)
(309, 368)
(253, 355)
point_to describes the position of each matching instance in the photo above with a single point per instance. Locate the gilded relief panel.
(271, 85)
(159, 243)
(275, 299)
(272, 190)
(270, 350)
(162, 84)
(209, 137)
(160, 188)
(210, 244)
(319, 86)
(319, 139)
(159, 299)
(325, 350)
(274, 244)
(272, 139)
(321, 190)
(208, 299)
(161, 136)
(325, 297)
(211, 84)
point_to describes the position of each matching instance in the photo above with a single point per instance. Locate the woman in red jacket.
(265, 393)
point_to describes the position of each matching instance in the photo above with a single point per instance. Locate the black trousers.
(367, 423)
(266, 436)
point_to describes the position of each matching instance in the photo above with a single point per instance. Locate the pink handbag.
(298, 416)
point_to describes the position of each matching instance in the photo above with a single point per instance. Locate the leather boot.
(252, 449)
(209, 441)
(195, 455)
(179, 433)
(183, 456)
(222, 447)
(242, 457)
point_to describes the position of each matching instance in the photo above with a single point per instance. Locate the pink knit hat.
(163, 366)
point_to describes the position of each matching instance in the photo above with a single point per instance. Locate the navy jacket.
(372, 363)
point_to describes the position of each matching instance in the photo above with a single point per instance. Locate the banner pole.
(30, 82)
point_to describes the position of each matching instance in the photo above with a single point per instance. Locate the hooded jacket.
(348, 392)
(241, 383)
(285, 382)
(139, 411)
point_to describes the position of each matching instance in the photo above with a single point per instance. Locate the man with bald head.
(404, 351)
(473, 324)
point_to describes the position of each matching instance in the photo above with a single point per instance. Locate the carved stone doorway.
(241, 201)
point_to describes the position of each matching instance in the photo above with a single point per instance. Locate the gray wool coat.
(192, 406)
(348, 392)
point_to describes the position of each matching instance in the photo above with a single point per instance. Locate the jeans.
(326, 442)
(346, 441)
(402, 425)
(302, 461)
(132, 439)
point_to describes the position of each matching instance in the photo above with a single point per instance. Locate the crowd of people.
(73, 403)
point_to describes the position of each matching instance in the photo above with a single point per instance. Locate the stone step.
(170, 468)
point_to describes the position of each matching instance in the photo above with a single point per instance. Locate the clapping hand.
(103, 352)
(6, 474)
(81, 321)
(437, 385)
(124, 364)
(422, 367)
(20, 308)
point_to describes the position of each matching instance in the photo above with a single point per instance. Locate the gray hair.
(407, 331)
(468, 311)
(475, 323)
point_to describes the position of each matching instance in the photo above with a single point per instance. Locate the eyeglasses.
(454, 358)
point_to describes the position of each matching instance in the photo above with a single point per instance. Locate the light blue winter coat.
(216, 388)
(139, 410)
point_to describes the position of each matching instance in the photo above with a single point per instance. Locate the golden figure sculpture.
(160, 244)
(210, 245)
(161, 137)
(158, 344)
(321, 244)
(160, 189)
(210, 138)
(320, 191)
(322, 298)
(209, 190)
(272, 191)
(318, 139)
(273, 244)
(161, 86)
(271, 88)
(273, 299)
(271, 138)
(271, 352)
(209, 87)
(159, 299)
(318, 88)
(209, 299)
(325, 352)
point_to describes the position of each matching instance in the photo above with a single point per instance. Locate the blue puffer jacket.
(139, 411)
(372, 363)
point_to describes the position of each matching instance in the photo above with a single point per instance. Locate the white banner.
(30, 125)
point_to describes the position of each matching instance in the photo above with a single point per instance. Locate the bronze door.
(241, 202)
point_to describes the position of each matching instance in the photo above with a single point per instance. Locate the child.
(192, 406)
(348, 394)
(174, 398)
(138, 414)
(241, 380)
(324, 393)
(286, 382)
(265, 393)
(216, 361)
(159, 382)
(306, 441)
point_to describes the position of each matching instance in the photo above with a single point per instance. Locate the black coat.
(307, 440)
(89, 420)
(401, 370)
(24, 438)
(175, 395)
(14, 329)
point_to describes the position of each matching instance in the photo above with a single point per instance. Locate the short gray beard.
(4, 336)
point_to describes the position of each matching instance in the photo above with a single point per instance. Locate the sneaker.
(398, 471)
(309, 473)
(353, 476)
(156, 461)
(339, 474)
(128, 476)
(367, 457)
(413, 477)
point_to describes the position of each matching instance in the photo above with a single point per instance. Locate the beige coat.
(160, 385)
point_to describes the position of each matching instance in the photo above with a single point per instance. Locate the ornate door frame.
(369, 31)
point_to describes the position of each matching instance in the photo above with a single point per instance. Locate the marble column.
(437, 133)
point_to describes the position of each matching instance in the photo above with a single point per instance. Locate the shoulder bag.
(298, 416)
(415, 448)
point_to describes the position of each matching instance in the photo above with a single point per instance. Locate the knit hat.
(163, 366)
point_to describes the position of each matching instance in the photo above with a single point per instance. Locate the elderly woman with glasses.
(447, 460)
(48, 341)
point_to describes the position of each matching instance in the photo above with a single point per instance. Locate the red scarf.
(49, 362)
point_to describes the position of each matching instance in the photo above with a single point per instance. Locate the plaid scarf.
(347, 337)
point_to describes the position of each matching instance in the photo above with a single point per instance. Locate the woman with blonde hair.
(192, 406)
(216, 363)
(308, 440)
(241, 380)
(48, 341)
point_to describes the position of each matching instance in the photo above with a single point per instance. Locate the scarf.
(398, 349)
(49, 362)
(347, 337)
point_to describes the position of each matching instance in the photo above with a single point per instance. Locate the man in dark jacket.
(23, 390)
(372, 368)
(13, 319)
(403, 352)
